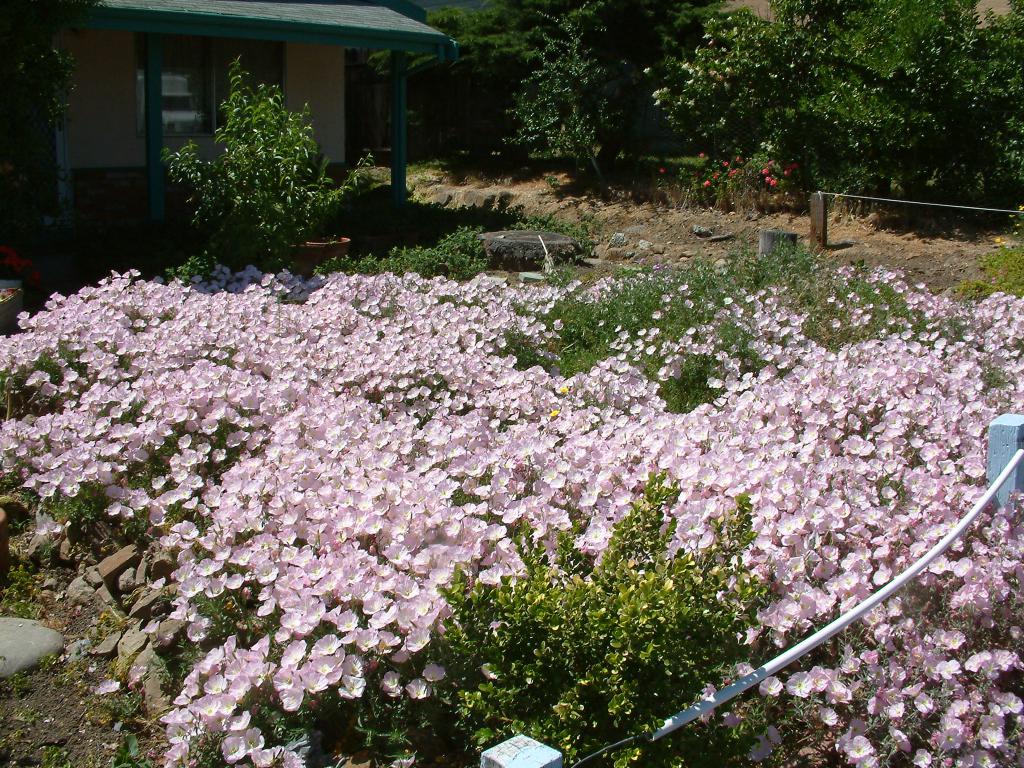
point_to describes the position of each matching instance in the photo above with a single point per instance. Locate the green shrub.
(268, 191)
(866, 95)
(459, 256)
(579, 654)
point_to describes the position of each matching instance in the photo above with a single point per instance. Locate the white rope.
(826, 633)
(917, 202)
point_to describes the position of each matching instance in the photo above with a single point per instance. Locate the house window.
(195, 78)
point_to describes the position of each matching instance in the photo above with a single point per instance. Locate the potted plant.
(322, 246)
(268, 194)
(15, 272)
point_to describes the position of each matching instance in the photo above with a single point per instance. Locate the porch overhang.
(394, 25)
(391, 25)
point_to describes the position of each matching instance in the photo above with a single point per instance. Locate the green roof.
(385, 24)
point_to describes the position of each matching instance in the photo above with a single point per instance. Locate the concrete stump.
(522, 250)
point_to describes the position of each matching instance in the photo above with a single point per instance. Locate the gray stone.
(156, 700)
(700, 231)
(476, 198)
(126, 582)
(92, 576)
(644, 245)
(38, 547)
(80, 593)
(24, 643)
(106, 596)
(153, 696)
(531, 277)
(78, 649)
(618, 240)
(107, 647)
(131, 642)
(518, 250)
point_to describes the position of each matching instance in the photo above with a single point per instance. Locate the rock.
(476, 198)
(700, 231)
(38, 547)
(126, 582)
(163, 566)
(169, 632)
(107, 647)
(148, 669)
(440, 197)
(24, 643)
(78, 649)
(644, 245)
(131, 642)
(80, 593)
(531, 277)
(721, 237)
(617, 254)
(517, 250)
(658, 249)
(64, 551)
(112, 567)
(157, 702)
(106, 596)
(143, 608)
(142, 572)
(618, 240)
(92, 578)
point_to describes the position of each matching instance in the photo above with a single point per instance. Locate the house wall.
(106, 152)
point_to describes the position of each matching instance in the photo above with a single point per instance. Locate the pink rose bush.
(323, 455)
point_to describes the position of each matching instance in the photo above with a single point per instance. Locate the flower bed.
(323, 456)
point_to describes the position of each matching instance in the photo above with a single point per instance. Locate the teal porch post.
(155, 126)
(399, 128)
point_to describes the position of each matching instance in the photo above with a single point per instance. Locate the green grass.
(645, 299)
(1004, 273)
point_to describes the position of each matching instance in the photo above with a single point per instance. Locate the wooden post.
(155, 126)
(399, 130)
(770, 239)
(1005, 438)
(819, 221)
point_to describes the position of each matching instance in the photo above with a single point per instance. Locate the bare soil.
(935, 248)
(50, 716)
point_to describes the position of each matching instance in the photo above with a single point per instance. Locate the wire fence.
(1019, 212)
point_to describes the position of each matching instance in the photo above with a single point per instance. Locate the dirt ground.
(937, 249)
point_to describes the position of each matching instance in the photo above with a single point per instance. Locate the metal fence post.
(1005, 438)
(521, 752)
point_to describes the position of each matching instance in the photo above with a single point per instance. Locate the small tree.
(269, 190)
(35, 76)
(564, 107)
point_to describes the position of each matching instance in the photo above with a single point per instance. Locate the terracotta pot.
(312, 254)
